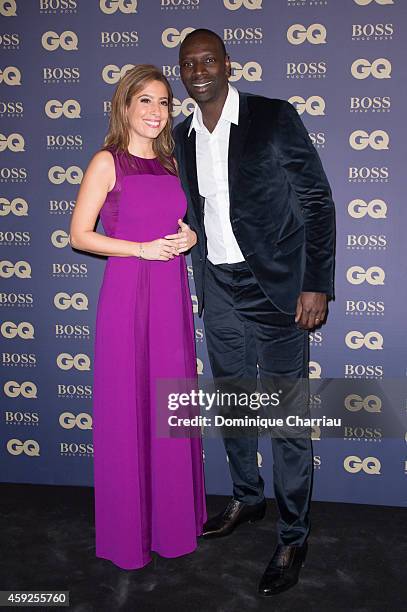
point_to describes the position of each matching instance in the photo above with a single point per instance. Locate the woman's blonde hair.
(118, 136)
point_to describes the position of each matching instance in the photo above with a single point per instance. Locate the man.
(261, 206)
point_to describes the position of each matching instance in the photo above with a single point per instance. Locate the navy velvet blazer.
(281, 206)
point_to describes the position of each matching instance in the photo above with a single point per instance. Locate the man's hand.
(311, 309)
(185, 239)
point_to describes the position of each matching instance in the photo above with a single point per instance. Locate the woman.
(149, 490)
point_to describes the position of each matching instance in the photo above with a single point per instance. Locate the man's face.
(204, 68)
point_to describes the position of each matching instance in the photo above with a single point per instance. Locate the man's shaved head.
(201, 32)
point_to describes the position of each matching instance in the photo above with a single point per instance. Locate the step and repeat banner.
(342, 64)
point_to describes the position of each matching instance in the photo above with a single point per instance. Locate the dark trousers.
(246, 335)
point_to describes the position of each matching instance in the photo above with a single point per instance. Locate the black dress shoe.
(235, 513)
(283, 570)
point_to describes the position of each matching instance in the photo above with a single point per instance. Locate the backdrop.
(342, 64)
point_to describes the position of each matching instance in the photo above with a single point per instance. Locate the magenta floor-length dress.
(149, 490)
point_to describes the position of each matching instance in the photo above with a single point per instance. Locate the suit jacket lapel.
(237, 139)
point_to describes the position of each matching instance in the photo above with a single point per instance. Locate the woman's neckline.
(139, 157)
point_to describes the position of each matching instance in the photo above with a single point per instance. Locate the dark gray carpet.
(356, 562)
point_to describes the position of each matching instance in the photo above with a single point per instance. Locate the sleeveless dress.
(149, 490)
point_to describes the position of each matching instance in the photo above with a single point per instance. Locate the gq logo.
(83, 420)
(10, 76)
(21, 269)
(314, 369)
(59, 239)
(29, 447)
(14, 142)
(77, 301)
(234, 5)
(370, 403)
(8, 8)
(378, 140)
(314, 105)
(354, 464)
(27, 389)
(17, 207)
(68, 41)
(251, 71)
(366, 2)
(372, 340)
(314, 34)
(24, 330)
(171, 37)
(379, 68)
(376, 209)
(65, 361)
(111, 74)
(186, 107)
(112, 6)
(71, 109)
(57, 175)
(356, 275)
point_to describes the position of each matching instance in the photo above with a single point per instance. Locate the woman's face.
(148, 111)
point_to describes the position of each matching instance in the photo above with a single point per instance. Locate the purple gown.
(149, 491)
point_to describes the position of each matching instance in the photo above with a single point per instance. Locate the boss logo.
(356, 275)
(68, 41)
(13, 175)
(371, 241)
(14, 143)
(370, 403)
(251, 71)
(372, 340)
(72, 331)
(21, 269)
(354, 464)
(369, 30)
(24, 360)
(107, 108)
(234, 5)
(314, 34)
(314, 105)
(112, 6)
(194, 300)
(77, 301)
(23, 330)
(61, 207)
(29, 447)
(365, 174)
(10, 41)
(74, 391)
(366, 2)
(25, 389)
(183, 4)
(317, 139)
(83, 420)
(378, 140)
(58, 75)
(20, 238)
(8, 8)
(171, 72)
(66, 269)
(376, 209)
(57, 175)
(361, 307)
(186, 107)
(246, 35)
(65, 361)
(376, 104)
(11, 109)
(16, 299)
(171, 37)
(70, 142)
(17, 207)
(10, 76)
(114, 39)
(314, 369)
(363, 371)
(199, 335)
(60, 239)
(111, 74)
(73, 449)
(70, 109)
(190, 272)
(360, 433)
(316, 338)
(18, 418)
(312, 70)
(63, 6)
(378, 69)
(199, 366)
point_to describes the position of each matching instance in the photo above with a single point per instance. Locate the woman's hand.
(185, 239)
(160, 249)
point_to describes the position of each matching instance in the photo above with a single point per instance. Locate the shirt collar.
(230, 111)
